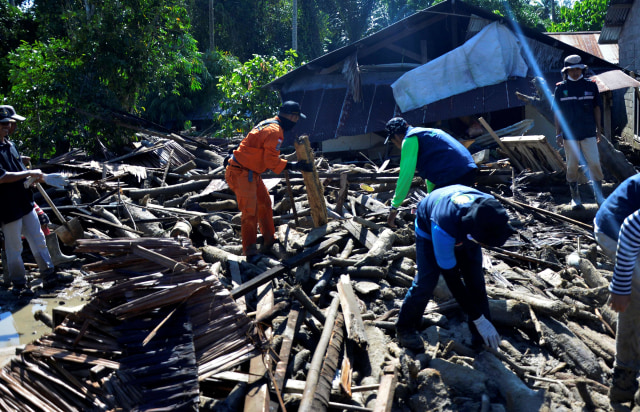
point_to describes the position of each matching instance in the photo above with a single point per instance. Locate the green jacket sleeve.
(408, 161)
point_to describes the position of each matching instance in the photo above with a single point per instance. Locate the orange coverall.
(258, 152)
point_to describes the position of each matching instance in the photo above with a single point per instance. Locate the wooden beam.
(493, 134)
(315, 190)
(360, 233)
(305, 256)
(257, 399)
(352, 317)
(293, 324)
(384, 400)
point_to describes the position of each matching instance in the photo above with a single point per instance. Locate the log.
(375, 255)
(307, 303)
(172, 190)
(518, 396)
(360, 233)
(568, 347)
(313, 376)
(330, 364)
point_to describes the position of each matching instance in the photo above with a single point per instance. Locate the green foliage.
(586, 15)
(246, 101)
(106, 56)
(15, 27)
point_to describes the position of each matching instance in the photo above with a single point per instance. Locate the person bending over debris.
(451, 223)
(617, 230)
(259, 151)
(578, 101)
(18, 216)
(437, 156)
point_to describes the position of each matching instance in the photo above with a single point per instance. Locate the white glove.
(56, 180)
(488, 332)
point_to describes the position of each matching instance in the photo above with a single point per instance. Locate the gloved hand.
(56, 180)
(301, 165)
(488, 332)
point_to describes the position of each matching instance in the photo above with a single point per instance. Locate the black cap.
(488, 222)
(12, 112)
(6, 116)
(395, 125)
(291, 107)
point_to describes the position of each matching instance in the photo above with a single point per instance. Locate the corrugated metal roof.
(384, 56)
(614, 20)
(588, 42)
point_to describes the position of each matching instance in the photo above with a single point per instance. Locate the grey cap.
(573, 62)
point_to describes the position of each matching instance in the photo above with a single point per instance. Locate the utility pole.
(294, 28)
(212, 27)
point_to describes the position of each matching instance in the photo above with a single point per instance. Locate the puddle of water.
(8, 333)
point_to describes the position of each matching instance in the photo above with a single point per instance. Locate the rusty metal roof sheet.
(588, 42)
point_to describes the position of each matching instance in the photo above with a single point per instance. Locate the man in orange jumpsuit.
(258, 152)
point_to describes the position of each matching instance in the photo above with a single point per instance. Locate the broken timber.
(315, 190)
(307, 255)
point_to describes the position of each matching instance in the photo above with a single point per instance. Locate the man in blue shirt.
(451, 224)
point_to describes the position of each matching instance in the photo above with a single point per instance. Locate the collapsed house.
(443, 67)
(177, 319)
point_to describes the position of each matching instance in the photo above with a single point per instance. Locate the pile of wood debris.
(180, 320)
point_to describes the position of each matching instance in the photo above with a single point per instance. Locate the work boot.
(57, 257)
(624, 385)
(597, 191)
(410, 339)
(51, 278)
(576, 202)
(22, 290)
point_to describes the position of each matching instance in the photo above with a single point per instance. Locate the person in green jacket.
(437, 157)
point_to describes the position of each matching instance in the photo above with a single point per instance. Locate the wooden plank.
(352, 317)
(257, 399)
(502, 146)
(305, 256)
(293, 324)
(384, 400)
(360, 233)
(236, 279)
(315, 190)
(162, 260)
(536, 153)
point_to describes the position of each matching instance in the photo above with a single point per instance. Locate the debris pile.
(179, 319)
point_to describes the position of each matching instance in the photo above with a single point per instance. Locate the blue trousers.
(466, 285)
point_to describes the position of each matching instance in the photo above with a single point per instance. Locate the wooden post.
(502, 146)
(315, 190)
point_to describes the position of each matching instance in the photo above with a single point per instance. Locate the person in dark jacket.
(617, 230)
(437, 157)
(578, 120)
(451, 224)
(18, 216)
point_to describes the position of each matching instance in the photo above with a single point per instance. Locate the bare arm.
(10, 177)
(597, 115)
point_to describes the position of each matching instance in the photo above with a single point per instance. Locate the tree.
(246, 101)
(105, 55)
(586, 15)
